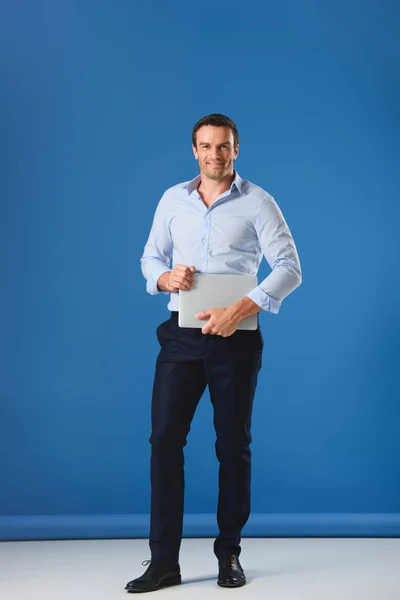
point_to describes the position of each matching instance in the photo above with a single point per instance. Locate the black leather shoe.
(157, 576)
(230, 572)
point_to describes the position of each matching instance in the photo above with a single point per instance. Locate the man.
(216, 223)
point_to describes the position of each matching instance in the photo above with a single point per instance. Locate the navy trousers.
(189, 360)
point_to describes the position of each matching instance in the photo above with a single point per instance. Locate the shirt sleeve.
(157, 253)
(278, 247)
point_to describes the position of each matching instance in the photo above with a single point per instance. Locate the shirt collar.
(237, 182)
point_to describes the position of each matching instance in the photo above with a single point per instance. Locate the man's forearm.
(244, 308)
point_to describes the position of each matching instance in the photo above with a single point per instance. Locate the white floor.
(276, 568)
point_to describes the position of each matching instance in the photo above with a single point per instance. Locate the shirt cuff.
(151, 285)
(265, 301)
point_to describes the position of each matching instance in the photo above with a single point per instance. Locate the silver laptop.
(215, 290)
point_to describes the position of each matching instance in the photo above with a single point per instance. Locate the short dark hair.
(216, 120)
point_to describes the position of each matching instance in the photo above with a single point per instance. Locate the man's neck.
(211, 188)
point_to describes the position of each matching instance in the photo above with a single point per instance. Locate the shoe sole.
(232, 585)
(165, 583)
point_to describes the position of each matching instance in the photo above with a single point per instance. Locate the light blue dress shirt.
(231, 236)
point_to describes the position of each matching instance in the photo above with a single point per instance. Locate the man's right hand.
(179, 278)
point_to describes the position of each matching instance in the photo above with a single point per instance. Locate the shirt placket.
(206, 238)
(207, 228)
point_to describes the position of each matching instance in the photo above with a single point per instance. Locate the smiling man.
(215, 223)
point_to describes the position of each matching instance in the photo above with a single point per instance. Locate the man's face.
(215, 151)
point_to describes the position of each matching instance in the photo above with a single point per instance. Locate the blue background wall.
(97, 104)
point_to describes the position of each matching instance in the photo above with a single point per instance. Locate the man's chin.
(213, 175)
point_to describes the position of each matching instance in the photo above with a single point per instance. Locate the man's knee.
(167, 441)
(234, 450)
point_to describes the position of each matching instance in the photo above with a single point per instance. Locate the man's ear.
(194, 151)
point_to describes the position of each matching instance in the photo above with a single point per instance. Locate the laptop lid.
(215, 290)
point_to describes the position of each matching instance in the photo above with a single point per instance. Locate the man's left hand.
(221, 321)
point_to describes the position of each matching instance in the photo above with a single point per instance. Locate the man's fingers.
(183, 268)
(184, 281)
(181, 277)
(203, 315)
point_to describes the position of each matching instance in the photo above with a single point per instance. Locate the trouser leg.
(178, 387)
(232, 372)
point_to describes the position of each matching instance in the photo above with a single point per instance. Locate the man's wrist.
(162, 282)
(244, 308)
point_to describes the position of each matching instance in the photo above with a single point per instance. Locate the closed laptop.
(215, 290)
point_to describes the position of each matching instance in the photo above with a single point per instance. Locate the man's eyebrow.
(208, 143)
